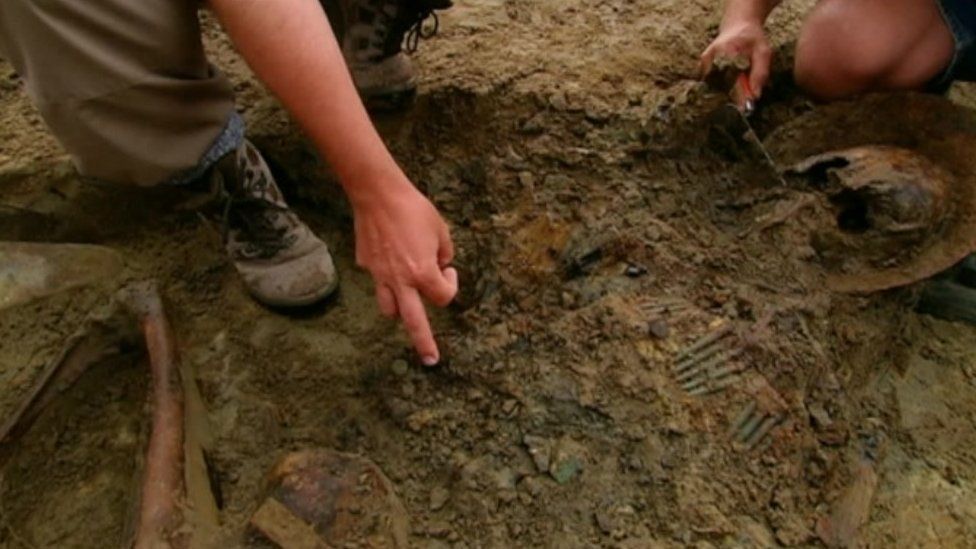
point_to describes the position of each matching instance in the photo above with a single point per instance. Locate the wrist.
(373, 188)
(746, 13)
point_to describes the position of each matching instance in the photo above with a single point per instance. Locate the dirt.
(601, 234)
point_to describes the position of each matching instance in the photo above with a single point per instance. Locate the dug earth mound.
(646, 351)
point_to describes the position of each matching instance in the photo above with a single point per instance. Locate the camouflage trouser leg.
(123, 84)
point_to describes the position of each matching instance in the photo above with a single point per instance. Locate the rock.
(438, 498)
(635, 271)
(566, 461)
(419, 419)
(754, 534)
(819, 415)
(539, 449)
(400, 367)
(534, 125)
(793, 532)
(659, 328)
(509, 406)
(439, 529)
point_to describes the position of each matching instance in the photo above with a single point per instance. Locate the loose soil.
(600, 232)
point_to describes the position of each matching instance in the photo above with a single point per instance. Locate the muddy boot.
(952, 295)
(372, 34)
(282, 262)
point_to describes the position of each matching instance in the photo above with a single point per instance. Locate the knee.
(832, 61)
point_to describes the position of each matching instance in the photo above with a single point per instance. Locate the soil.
(601, 234)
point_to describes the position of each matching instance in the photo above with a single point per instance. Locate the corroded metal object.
(332, 498)
(890, 206)
(896, 201)
(710, 364)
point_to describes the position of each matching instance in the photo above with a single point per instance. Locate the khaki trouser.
(123, 84)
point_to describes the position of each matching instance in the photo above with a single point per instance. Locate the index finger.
(415, 321)
(705, 62)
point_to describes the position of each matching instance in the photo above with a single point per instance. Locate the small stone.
(793, 532)
(659, 328)
(539, 449)
(400, 367)
(439, 529)
(603, 521)
(419, 419)
(438, 498)
(566, 462)
(820, 415)
(534, 125)
(509, 406)
(635, 271)
(531, 487)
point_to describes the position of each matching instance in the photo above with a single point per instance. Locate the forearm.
(747, 11)
(290, 46)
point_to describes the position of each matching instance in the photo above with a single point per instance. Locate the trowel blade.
(30, 271)
(731, 121)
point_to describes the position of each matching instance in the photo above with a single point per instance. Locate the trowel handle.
(743, 95)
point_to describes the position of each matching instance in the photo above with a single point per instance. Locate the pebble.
(566, 462)
(659, 328)
(635, 271)
(400, 367)
(539, 449)
(438, 529)
(438, 498)
(509, 406)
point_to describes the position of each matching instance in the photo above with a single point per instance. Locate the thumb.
(440, 288)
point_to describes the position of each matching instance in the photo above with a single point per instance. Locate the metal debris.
(708, 365)
(752, 424)
(663, 305)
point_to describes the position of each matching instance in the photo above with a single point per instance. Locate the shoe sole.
(301, 301)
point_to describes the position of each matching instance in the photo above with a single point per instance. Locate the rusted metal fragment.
(275, 522)
(899, 195)
(343, 497)
(892, 219)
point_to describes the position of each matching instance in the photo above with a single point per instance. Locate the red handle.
(743, 83)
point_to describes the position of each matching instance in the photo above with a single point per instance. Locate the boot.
(373, 34)
(282, 262)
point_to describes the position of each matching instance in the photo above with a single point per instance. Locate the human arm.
(400, 237)
(741, 34)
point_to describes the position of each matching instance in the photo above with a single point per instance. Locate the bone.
(852, 510)
(177, 507)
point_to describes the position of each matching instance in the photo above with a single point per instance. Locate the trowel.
(731, 120)
(30, 271)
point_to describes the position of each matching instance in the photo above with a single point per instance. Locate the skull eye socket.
(853, 213)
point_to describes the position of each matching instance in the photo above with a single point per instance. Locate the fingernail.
(430, 360)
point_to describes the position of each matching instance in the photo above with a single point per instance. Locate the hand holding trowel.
(732, 118)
